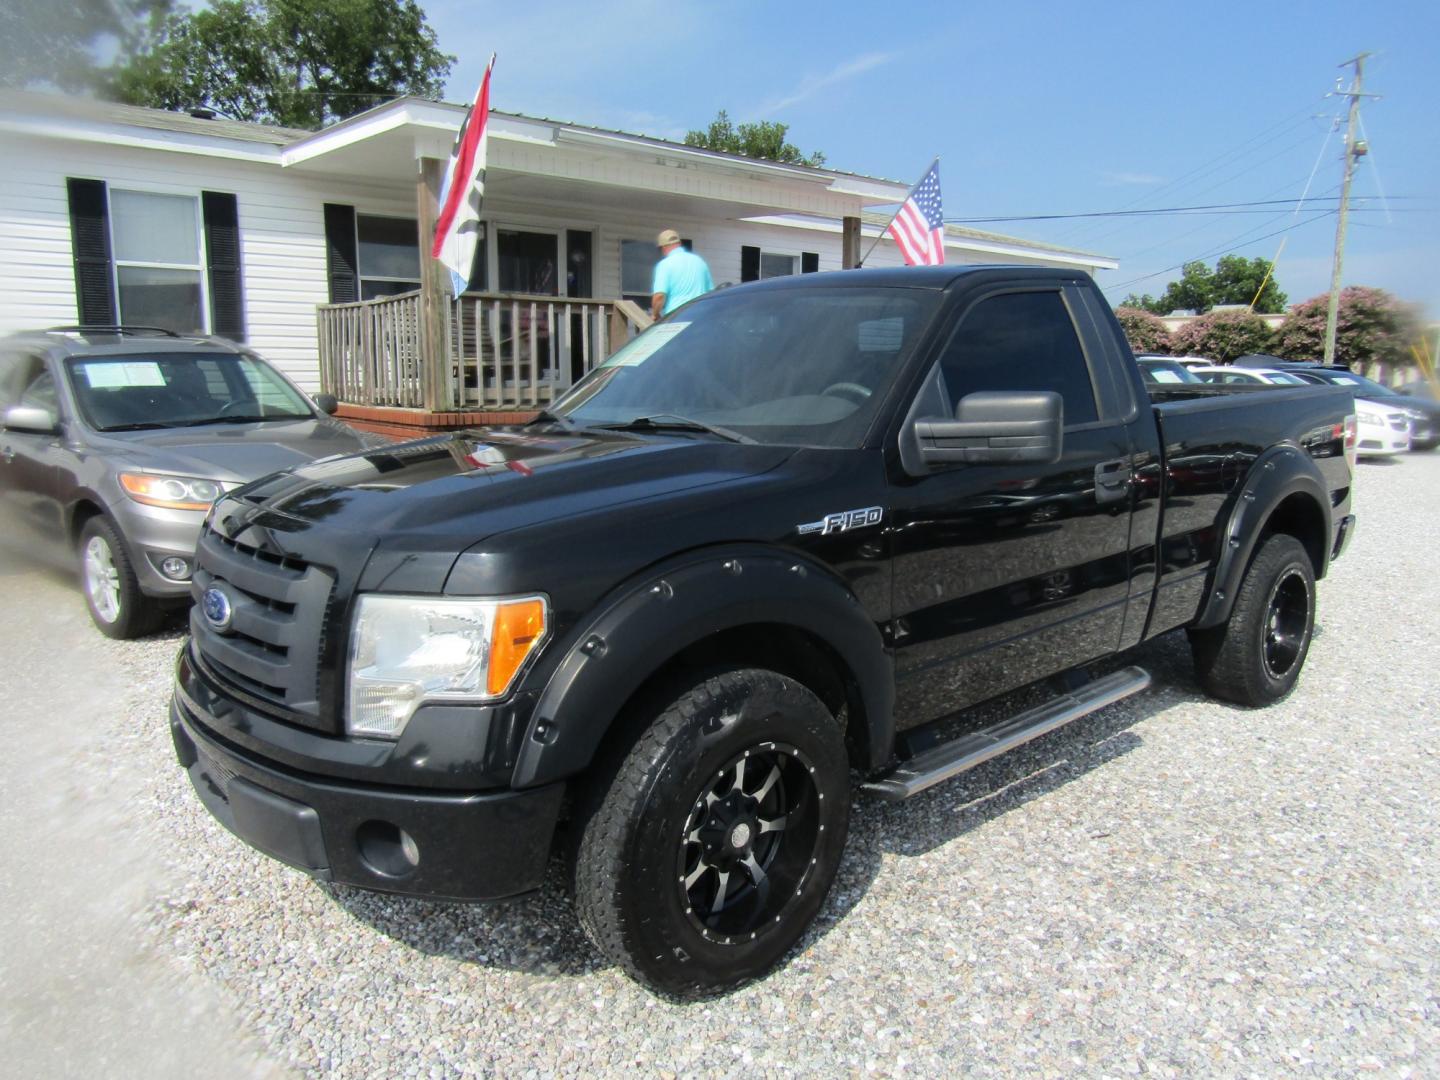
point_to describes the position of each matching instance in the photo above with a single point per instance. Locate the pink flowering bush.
(1146, 333)
(1373, 327)
(1223, 335)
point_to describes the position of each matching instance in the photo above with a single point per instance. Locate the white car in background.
(1382, 429)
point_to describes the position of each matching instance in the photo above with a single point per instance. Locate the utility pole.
(1354, 150)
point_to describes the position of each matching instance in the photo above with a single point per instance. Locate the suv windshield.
(797, 366)
(129, 391)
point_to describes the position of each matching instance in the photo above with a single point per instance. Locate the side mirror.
(996, 428)
(327, 403)
(32, 418)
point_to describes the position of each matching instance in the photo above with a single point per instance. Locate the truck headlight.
(409, 650)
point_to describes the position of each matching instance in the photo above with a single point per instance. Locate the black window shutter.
(222, 256)
(90, 243)
(340, 255)
(687, 244)
(809, 262)
(749, 263)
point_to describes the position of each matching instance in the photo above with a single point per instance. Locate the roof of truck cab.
(914, 277)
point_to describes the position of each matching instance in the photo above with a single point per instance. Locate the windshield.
(1167, 371)
(1371, 388)
(130, 391)
(796, 366)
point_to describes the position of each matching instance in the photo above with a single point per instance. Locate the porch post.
(436, 379)
(850, 243)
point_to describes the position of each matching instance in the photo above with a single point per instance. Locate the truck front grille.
(271, 650)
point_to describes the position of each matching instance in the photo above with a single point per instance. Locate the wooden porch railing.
(501, 351)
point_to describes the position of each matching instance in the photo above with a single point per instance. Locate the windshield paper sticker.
(844, 521)
(647, 344)
(129, 373)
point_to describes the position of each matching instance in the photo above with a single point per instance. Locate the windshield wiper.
(144, 425)
(545, 416)
(233, 420)
(671, 422)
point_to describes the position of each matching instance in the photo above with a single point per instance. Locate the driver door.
(1007, 573)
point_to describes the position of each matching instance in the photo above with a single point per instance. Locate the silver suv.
(114, 441)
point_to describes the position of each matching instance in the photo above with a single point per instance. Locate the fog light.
(387, 849)
(175, 568)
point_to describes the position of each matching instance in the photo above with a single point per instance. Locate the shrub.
(1223, 335)
(1146, 333)
(1373, 327)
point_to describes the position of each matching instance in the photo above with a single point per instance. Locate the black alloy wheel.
(749, 843)
(707, 846)
(1255, 657)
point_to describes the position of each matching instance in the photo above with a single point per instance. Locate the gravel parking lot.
(1171, 886)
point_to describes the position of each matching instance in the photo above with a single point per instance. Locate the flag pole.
(870, 250)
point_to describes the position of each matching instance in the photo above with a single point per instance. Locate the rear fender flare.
(1277, 474)
(611, 654)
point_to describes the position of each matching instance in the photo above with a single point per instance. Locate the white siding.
(282, 235)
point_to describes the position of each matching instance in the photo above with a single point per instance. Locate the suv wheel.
(706, 856)
(117, 606)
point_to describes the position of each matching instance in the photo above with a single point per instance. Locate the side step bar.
(950, 759)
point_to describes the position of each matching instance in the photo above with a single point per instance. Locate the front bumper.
(444, 846)
(153, 534)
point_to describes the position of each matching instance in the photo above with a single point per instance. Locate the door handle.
(1112, 480)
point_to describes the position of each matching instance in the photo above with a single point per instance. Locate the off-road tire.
(1255, 657)
(128, 613)
(640, 823)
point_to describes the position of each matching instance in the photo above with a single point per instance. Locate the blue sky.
(1034, 108)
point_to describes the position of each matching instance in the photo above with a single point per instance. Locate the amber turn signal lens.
(519, 629)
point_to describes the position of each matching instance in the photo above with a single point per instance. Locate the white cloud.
(813, 84)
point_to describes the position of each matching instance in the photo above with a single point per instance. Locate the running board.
(950, 759)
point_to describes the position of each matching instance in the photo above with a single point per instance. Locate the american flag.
(457, 228)
(919, 228)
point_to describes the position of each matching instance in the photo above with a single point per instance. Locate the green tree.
(1145, 332)
(296, 63)
(1238, 280)
(1223, 335)
(55, 42)
(765, 139)
(1373, 327)
(1235, 280)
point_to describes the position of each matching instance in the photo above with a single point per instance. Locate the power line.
(1203, 208)
(1223, 249)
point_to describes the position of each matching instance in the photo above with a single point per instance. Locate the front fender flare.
(610, 655)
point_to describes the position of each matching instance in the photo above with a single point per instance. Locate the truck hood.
(492, 480)
(234, 453)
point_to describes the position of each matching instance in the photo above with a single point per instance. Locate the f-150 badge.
(844, 521)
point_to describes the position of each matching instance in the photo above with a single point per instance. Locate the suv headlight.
(171, 492)
(406, 651)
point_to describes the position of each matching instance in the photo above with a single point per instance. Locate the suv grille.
(279, 605)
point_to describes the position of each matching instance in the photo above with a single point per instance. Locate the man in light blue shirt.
(680, 276)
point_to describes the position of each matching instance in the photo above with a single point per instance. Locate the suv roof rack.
(106, 328)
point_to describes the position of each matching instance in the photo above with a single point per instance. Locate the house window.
(159, 277)
(389, 255)
(772, 265)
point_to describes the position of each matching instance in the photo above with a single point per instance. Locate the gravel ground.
(1171, 886)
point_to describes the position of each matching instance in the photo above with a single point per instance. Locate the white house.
(111, 213)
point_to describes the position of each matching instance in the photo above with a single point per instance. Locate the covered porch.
(561, 278)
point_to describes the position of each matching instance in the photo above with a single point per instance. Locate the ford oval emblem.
(215, 606)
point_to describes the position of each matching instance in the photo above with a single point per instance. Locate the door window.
(1020, 341)
(17, 371)
(528, 262)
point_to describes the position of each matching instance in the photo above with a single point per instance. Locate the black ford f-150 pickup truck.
(773, 539)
